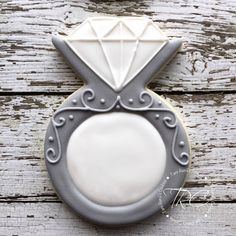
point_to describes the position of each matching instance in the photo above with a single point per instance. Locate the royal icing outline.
(98, 97)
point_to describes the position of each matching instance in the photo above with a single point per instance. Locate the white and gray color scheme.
(107, 54)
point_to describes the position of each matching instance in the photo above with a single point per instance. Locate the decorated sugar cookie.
(112, 143)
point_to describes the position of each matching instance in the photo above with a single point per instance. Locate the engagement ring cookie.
(112, 143)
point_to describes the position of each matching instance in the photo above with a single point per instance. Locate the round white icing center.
(116, 158)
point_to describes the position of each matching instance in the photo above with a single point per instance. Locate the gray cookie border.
(97, 97)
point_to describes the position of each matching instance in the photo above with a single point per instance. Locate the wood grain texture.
(200, 82)
(211, 126)
(30, 63)
(54, 219)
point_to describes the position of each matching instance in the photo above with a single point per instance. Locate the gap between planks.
(63, 93)
(51, 219)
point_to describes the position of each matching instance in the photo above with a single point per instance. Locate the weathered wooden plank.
(29, 62)
(210, 120)
(51, 219)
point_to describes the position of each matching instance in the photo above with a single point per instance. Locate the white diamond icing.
(116, 49)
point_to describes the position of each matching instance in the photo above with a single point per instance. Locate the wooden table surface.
(200, 83)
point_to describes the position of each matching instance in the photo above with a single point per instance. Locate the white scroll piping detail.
(116, 49)
(89, 95)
